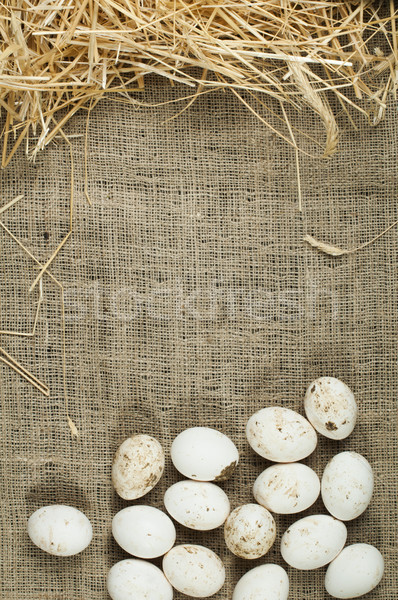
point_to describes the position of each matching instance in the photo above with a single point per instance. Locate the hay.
(65, 55)
(335, 251)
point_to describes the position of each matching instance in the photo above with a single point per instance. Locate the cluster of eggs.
(205, 456)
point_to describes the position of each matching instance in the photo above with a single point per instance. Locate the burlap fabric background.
(192, 300)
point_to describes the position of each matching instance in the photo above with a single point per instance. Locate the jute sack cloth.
(191, 299)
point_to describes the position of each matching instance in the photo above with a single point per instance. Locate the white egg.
(250, 531)
(313, 542)
(194, 570)
(347, 485)
(280, 434)
(204, 454)
(266, 582)
(60, 530)
(287, 488)
(331, 408)
(354, 572)
(197, 504)
(137, 467)
(143, 531)
(133, 579)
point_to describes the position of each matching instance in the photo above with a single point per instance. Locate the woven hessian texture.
(191, 299)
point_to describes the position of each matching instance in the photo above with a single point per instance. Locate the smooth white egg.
(354, 572)
(331, 408)
(313, 541)
(137, 467)
(134, 579)
(204, 454)
(266, 582)
(287, 488)
(347, 485)
(249, 531)
(194, 570)
(280, 434)
(60, 530)
(197, 504)
(143, 531)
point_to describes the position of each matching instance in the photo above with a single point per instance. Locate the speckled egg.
(357, 570)
(60, 530)
(331, 408)
(280, 434)
(135, 579)
(313, 541)
(137, 467)
(197, 504)
(265, 582)
(143, 531)
(347, 485)
(287, 488)
(250, 531)
(194, 570)
(204, 454)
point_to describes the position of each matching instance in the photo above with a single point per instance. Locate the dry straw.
(58, 56)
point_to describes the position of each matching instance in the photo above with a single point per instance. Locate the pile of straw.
(62, 55)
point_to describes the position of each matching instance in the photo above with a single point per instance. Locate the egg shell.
(287, 488)
(347, 485)
(204, 454)
(250, 531)
(354, 572)
(266, 582)
(194, 570)
(197, 505)
(143, 531)
(331, 408)
(280, 434)
(313, 541)
(60, 530)
(133, 579)
(137, 467)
